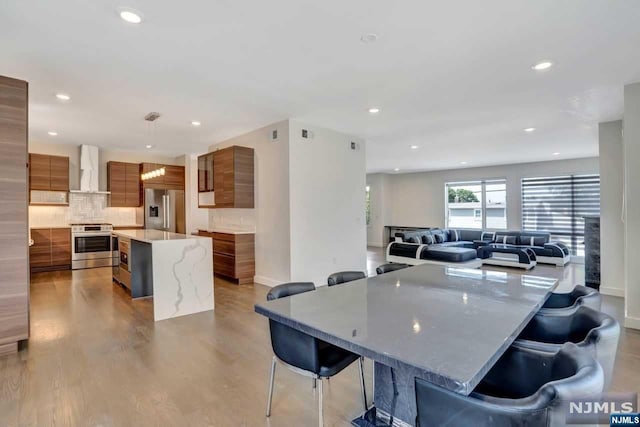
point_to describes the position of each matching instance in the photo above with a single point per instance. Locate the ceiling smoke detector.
(152, 116)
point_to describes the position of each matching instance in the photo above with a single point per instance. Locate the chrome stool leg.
(362, 385)
(320, 415)
(273, 372)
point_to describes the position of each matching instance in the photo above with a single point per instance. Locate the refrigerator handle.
(164, 211)
(168, 212)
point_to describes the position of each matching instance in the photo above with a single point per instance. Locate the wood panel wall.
(14, 232)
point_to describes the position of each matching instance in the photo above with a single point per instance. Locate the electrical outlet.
(274, 134)
(305, 133)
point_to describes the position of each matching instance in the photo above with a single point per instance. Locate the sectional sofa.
(453, 246)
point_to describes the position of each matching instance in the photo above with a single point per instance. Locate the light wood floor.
(95, 358)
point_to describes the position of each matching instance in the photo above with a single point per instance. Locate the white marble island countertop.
(176, 269)
(150, 236)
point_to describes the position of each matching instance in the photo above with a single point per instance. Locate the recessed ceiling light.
(542, 65)
(374, 110)
(556, 154)
(196, 123)
(53, 133)
(131, 16)
(414, 147)
(396, 169)
(529, 130)
(369, 38)
(63, 96)
(463, 163)
(149, 146)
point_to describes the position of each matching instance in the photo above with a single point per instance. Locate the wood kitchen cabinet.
(173, 179)
(233, 255)
(14, 231)
(48, 173)
(51, 249)
(123, 181)
(205, 172)
(229, 173)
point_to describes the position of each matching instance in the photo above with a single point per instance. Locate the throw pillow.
(487, 236)
(439, 238)
(454, 235)
(506, 240)
(532, 240)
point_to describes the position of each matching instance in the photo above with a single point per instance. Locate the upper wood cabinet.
(173, 178)
(205, 172)
(123, 181)
(232, 172)
(48, 173)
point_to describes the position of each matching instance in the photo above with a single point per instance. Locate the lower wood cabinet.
(51, 249)
(233, 255)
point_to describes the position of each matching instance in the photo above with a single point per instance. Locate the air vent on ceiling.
(151, 116)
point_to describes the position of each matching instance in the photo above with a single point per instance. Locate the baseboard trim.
(632, 322)
(267, 281)
(614, 292)
(375, 244)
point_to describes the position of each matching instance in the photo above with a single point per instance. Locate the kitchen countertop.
(150, 236)
(228, 230)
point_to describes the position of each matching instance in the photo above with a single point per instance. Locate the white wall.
(327, 203)
(611, 208)
(418, 199)
(270, 218)
(380, 208)
(632, 203)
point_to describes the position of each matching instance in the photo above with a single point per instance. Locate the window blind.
(558, 205)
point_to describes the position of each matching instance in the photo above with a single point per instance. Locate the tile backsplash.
(83, 207)
(233, 218)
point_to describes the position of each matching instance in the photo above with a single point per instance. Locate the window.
(477, 204)
(558, 205)
(367, 198)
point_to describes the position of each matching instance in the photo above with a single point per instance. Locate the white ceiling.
(453, 77)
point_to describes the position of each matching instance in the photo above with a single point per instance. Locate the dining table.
(445, 324)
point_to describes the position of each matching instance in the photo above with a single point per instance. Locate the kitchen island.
(176, 269)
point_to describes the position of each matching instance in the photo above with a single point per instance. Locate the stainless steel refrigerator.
(164, 210)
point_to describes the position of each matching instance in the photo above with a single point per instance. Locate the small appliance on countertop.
(91, 245)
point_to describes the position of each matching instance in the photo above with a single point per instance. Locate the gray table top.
(449, 324)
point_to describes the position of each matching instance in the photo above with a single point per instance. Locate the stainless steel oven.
(91, 246)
